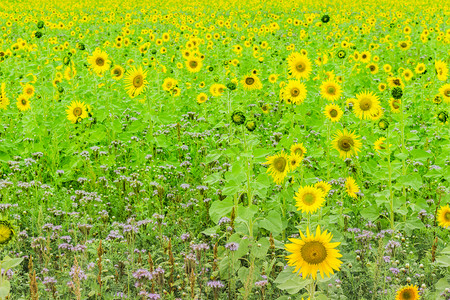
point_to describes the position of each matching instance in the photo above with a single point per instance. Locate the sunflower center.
(193, 64)
(24, 102)
(403, 45)
(300, 67)
(249, 80)
(117, 72)
(365, 104)
(447, 216)
(395, 105)
(407, 295)
(280, 164)
(333, 113)
(313, 252)
(29, 91)
(309, 199)
(447, 93)
(345, 144)
(99, 61)
(331, 90)
(138, 81)
(77, 111)
(295, 92)
(372, 68)
(396, 82)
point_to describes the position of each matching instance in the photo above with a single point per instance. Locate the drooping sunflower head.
(366, 105)
(330, 90)
(265, 108)
(346, 143)
(333, 112)
(278, 166)
(238, 118)
(309, 199)
(299, 65)
(445, 92)
(442, 116)
(7, 232)
(217, 89)
(409, 292)
(298, 149)
(351, 187)
(324, 186)
(294, 161)
(379, 144)
(395, 105)
(444, 216)
(314, 253)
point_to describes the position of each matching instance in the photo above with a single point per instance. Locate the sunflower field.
(224, 150)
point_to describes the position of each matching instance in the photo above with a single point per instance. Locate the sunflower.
(377, 114)
(443, 216)
(265, 108)
(201, 98)
(395, 82)
(23, 103)
(28, 90)
(382, 87)
(333, 112)
(217, 89)
(346, 143)
(314, 253)
(299, 65)
(441, 70)
(379, 144)
(373, 68)
(366, 105)
(294, 92)
(330, 90)
(395, 105)
(99, 61)
(76, 111)
(273, 78)
(298, 149)
(324, 186)
(135, 81)
(420, 68)
(251, 82)
(309, 199)
(409, 292)
(7, 232)
(294, 161)
(445, 92)
(117, 72)
(278, 166)
(169, 84)
(4, 101)
(351, 187)
(407, 74)
(69, 73)
(194, 64)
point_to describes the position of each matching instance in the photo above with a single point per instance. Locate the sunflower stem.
(328, 151)
(404, 152)
(391, 196)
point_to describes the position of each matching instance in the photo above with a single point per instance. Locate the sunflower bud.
(397, 93)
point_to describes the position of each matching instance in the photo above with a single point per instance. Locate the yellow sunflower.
(395, 82)
(333, 112)
(298, 149)
(314, 253)
(4, 101)
(7, 232)
(76, 111)
(217, 89)
(309, 199)
(330, 90)
(324, 186)
(294, 161)
(420, 68)
(251, 82)
(135, 81)
(278, 166)
(273, 78)
(299, 65)
(201, 98)
(194, 64)
(445, 92)
(395, 105)
(99, 61)
(117, 72)
(351, 187)
(379, 144)
(346, 143)
(23, 103)
(169, 84)
(441, 70)
(366, 105)
(443, 216)
(265, 108)
(28, 90)
(294, 92)
(409, 292)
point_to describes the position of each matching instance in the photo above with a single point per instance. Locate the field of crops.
(224, 150)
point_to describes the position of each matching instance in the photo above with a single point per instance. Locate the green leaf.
(371, 213)
(419, 154)
(272, 222)
(9, 263)
(413, 180)
(5, 288)
(220, 209)
(291, 282)
(260, 248)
